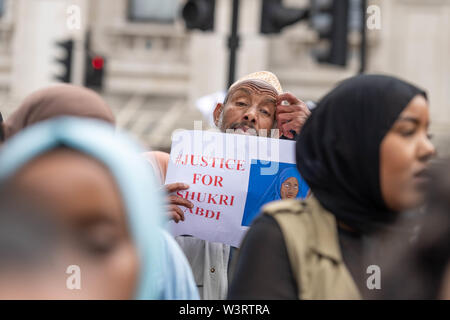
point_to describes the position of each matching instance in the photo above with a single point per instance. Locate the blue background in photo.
(265, 188)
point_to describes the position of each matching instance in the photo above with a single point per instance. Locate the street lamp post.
(233, 43)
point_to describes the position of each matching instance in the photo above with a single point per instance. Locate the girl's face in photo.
(289, 188)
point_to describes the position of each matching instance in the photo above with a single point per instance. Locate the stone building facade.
(156, 71)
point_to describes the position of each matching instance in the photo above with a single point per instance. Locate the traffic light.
(94, 70)
(199, 14)
(331, 18)
(66, 60)
(95, 65)
(275, 16)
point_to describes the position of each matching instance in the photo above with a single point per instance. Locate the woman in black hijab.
(363, 152)
(343, 166)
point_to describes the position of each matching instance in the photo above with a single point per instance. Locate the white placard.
(229, 175)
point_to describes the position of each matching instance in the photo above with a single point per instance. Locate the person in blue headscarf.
(288, 184)
(104, 193)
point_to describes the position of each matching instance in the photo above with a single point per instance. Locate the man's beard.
(243, 127)
(250, 130)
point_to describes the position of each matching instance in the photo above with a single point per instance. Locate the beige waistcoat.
(311, 238)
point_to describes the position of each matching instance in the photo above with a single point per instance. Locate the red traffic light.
(98, 62)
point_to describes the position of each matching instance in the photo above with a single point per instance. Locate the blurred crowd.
(84, 208)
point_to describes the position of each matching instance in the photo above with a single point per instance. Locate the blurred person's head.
(56, 101)
(364, 150)
(29, 243)
(87, 201)
(37, 249)
(101, 190)
(250, 104)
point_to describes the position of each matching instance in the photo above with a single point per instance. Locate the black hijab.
(338, 148)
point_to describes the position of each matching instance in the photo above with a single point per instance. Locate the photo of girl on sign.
(286, 184)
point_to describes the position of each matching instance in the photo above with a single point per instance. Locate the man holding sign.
(254, 105)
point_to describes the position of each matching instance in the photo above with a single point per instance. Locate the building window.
(162, 11)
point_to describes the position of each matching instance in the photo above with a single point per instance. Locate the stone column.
(209, 53)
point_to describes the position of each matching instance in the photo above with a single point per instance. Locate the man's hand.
(292, 116)
(173, 209)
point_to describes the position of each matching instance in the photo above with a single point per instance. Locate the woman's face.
(289, 188)
(404, 155)
(86, 200)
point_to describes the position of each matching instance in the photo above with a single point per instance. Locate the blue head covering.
(164, 271)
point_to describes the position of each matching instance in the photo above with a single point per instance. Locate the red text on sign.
(207, 180)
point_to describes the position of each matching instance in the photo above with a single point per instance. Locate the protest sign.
(230, 177)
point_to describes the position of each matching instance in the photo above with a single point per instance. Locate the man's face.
(249, 107)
